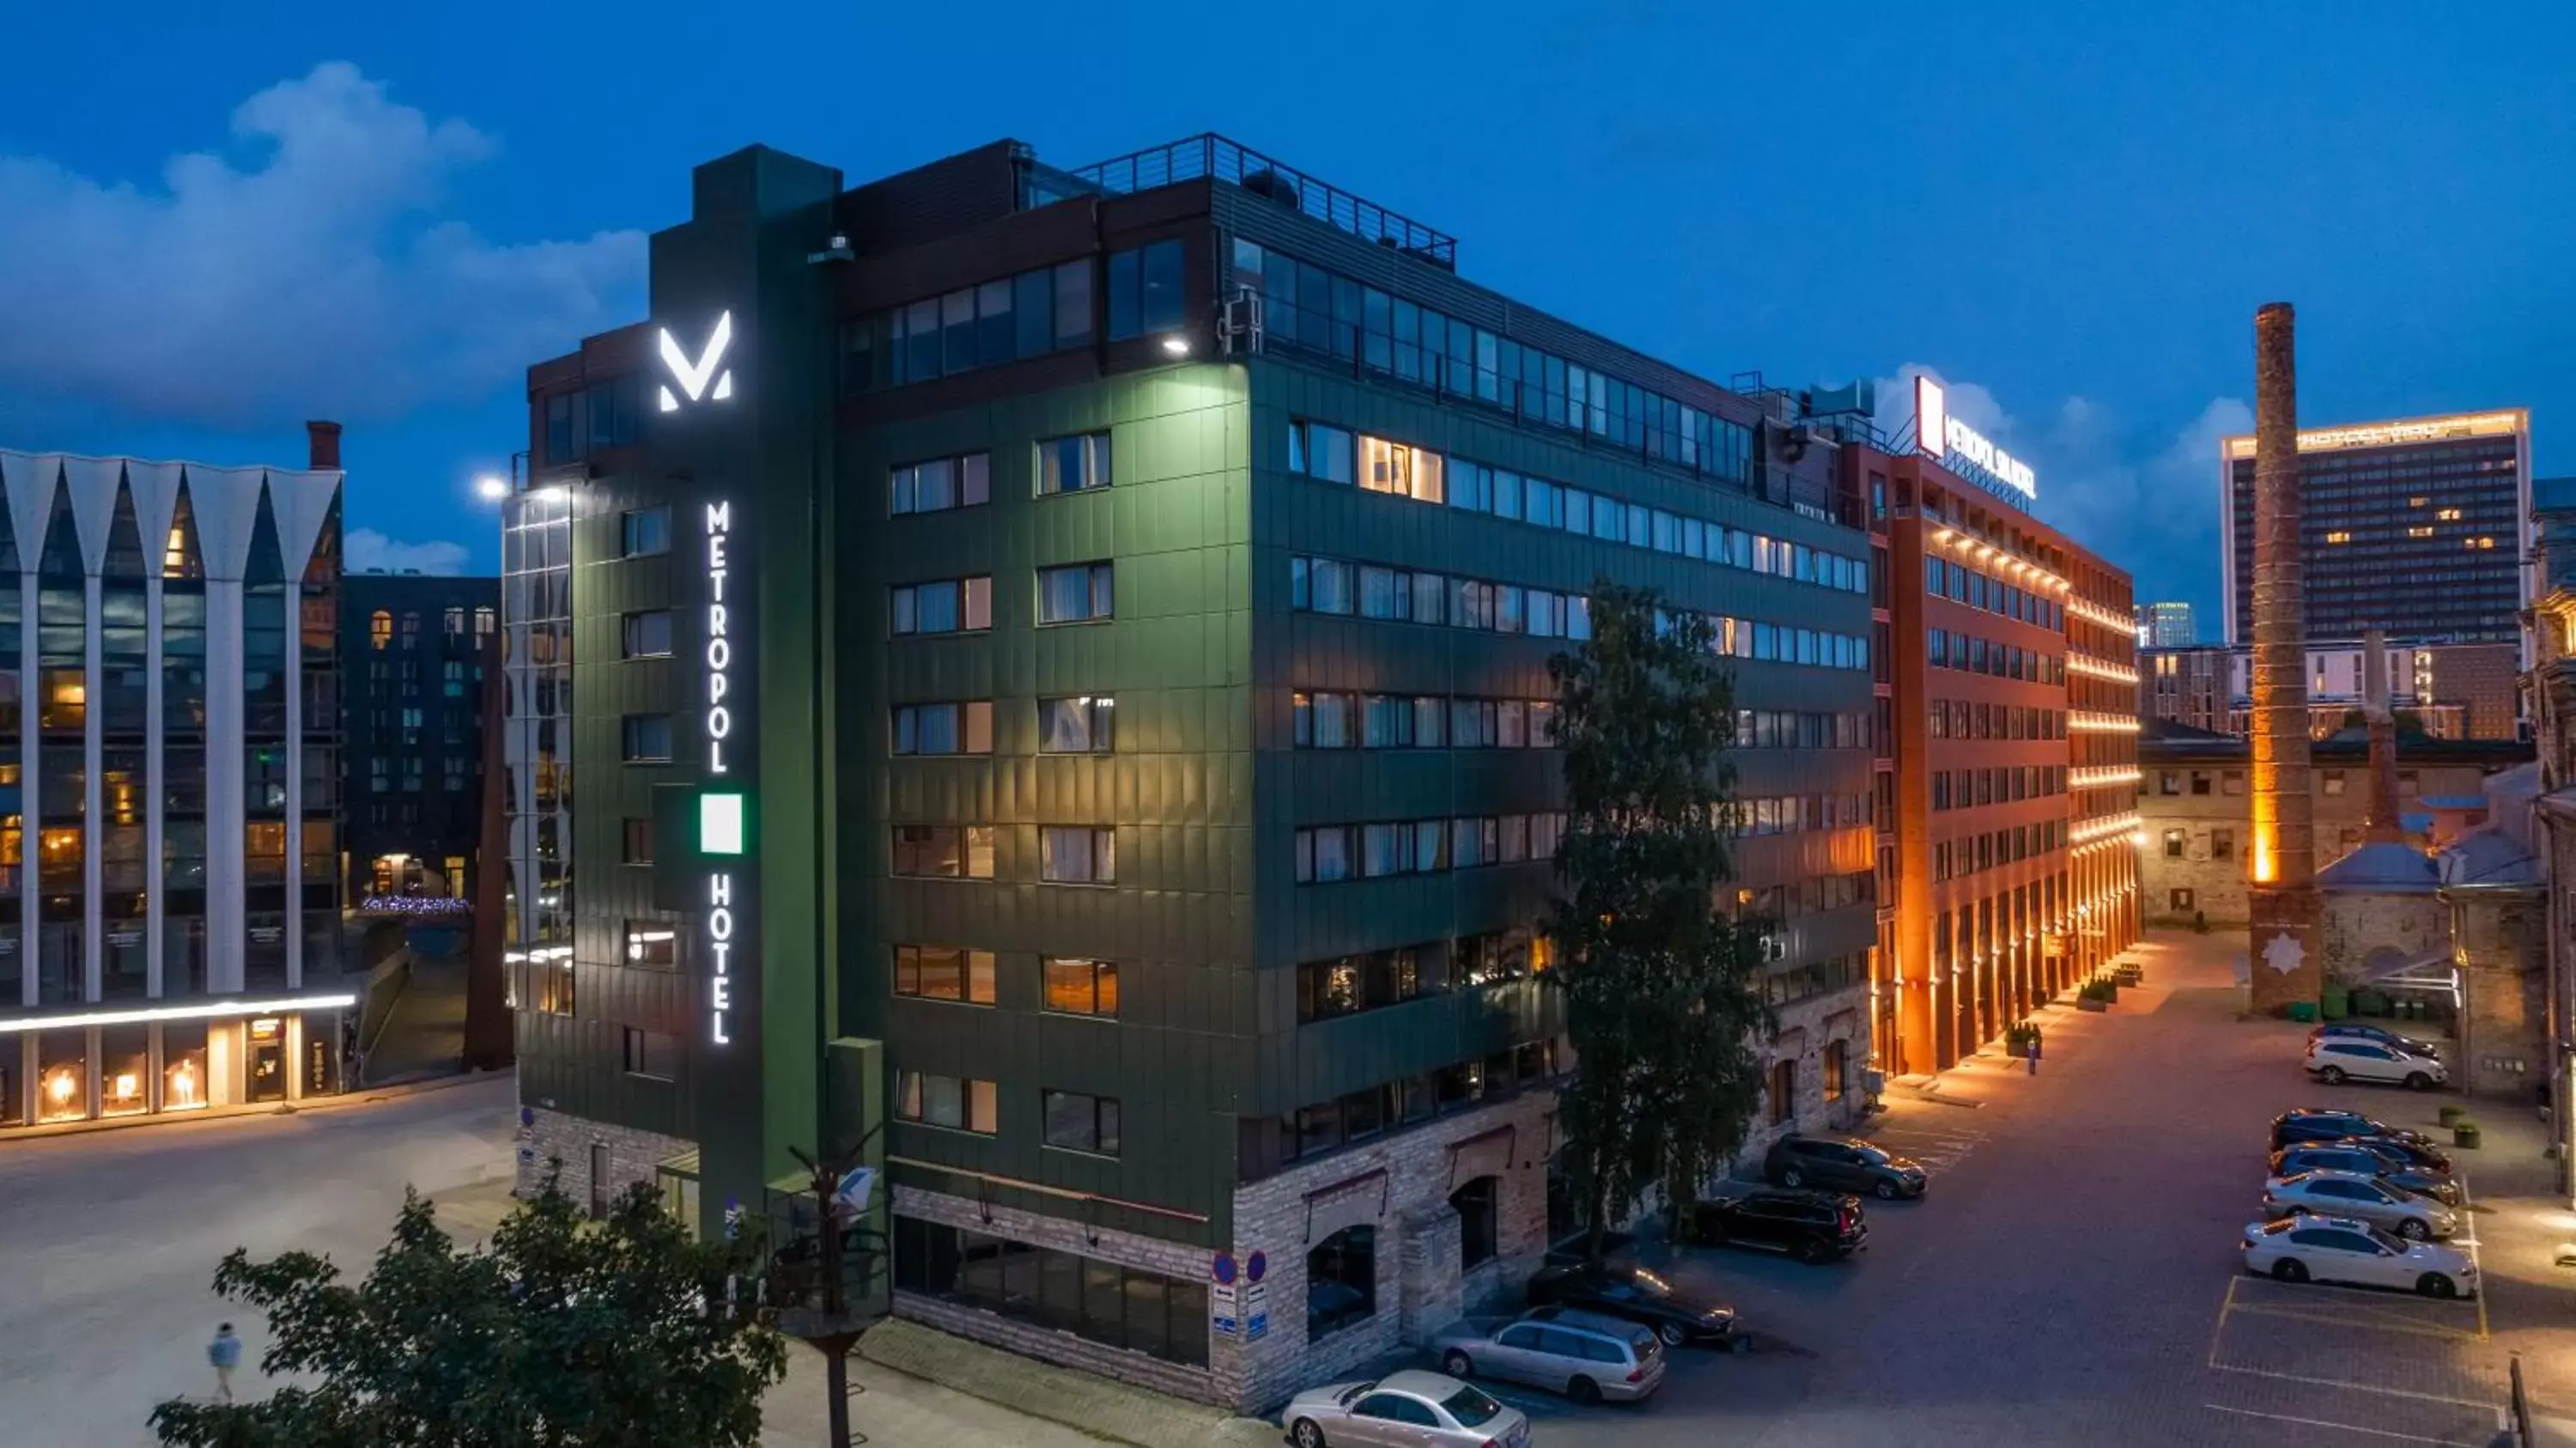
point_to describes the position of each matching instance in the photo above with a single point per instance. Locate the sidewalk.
(929, 1388)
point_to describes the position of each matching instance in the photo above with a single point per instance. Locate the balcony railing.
(1213, 157)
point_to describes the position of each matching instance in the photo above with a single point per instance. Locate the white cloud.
(364, 550)
(313, 281)
(2148, 504)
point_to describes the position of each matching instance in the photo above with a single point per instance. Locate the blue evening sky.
(218, 221)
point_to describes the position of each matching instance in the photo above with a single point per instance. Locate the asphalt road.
(2072, 1277)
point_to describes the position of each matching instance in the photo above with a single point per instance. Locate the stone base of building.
(594, 1160)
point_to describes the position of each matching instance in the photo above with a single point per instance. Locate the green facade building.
(1114, 607)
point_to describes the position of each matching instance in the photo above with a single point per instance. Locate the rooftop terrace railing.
(1212, 157)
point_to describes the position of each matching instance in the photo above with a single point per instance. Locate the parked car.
(1403, 1410)
(1631, 1294)
(1842, 1165)
(2350, 1194)
(2325, 1123)
(2399, 1151)
(2355, 1157)
(2335, 1059)
(1583, 1355)
(2358, 1030)
(2343, 1249)
(1814, 1227)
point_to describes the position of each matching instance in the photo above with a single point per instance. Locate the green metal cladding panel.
(1178, 788)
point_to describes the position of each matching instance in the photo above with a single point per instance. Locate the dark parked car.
(2399, 1153)
(2320, 1123)
(1635, 1295)
(1813, 1227)
(1842, 1165)
(2353, 1156)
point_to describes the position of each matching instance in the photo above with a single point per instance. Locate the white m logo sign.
(694, 376)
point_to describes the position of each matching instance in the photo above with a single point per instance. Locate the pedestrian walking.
(225, 1353)
(2034, 1050)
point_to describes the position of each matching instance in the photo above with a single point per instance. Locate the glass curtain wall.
(264, 685)
(62, 675)
(318, 735)
(536, 602)
(125, 683)
(183, 757)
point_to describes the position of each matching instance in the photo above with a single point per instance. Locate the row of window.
(1397, 595)
(2222, 844)
(1791, 813)
(1970, 854)
(1067, 854)
(1308, 307)
(1027, 315)
(1311, 1131)
(1083, 724)
(1349, 984)
(1962, 584)
(607, 414)
(2002, 784)
(1074, 593)
(1996, 659)
(1102, 1302)
(1329, 720)
(1338, 455)
(1073, 464)
(1794, 729)
(1073, 1120)
(1326, 853)
(1806, 982)
(380, 625)
(1966, 719)
(1068, 985)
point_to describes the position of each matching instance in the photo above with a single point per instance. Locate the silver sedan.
(1409, 1409)
(2351, 1194)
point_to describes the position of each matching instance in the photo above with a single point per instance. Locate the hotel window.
(2174, 844)
(2339, 536)
(962, 605)
(1077, 1122)
(1320, 452)
(958, 1103)
(1082, 725)
(944, 852)
(647, 738)
(2447, 515)
(380, 629)
(1082, 592)
(1392, 467)
(645, 532)
(944, 973)
(647, 635)
(2419, 532)
(637, 845)
(651, 1054)
(1322, 721)
(1073, 464)
(652, 944)
(1078, 854)
(965, 728)
(1145, 290)
(941, 484)
(2222, 844)
(1081, 987)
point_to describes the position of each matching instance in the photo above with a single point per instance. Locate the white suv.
(2336, 1059)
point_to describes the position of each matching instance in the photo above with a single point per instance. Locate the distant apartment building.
(170, 936)
(415, 652)
(2166, 626)
(2453, 690)
(2419, 527)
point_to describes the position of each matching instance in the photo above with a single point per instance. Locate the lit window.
(2486, 542)
(2417, 502)
(2421, 532)
(2448, 515)
(1081, 987)
(380, 628)
(2339, 536)
(944, 973)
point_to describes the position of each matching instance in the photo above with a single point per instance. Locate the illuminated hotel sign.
(693, 377)
(720, 813)
(1947, 438)
(2397, 434)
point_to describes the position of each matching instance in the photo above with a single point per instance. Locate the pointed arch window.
(180, 555)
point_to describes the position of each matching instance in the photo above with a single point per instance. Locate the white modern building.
(169, 785)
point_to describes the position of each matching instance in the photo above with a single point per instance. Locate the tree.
(557, 1332)
(1662, 983)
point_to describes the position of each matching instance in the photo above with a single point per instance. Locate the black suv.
(1842, 1165)
(1636, 1295)
(1814, 1227)
(2304, 1124)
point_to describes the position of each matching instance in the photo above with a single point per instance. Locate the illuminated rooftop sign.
(2403, 431)
(1947, 438)
(693, 377)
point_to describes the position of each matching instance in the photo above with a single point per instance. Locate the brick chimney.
(324, 440)
(2386, 826)
(2282, 893)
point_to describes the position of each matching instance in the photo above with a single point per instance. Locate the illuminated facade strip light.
(2085, 722)
(2404, 430)
(2100, 669)
(2099, 616)
(2094, 777)
(207, 1011)
(2095, 829)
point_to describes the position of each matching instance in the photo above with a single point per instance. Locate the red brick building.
(2008, 778)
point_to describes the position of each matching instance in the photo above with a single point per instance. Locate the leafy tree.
(557, 1332)
(1662, 983)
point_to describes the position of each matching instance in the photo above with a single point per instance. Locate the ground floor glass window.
(1341, 1281)
(1105, 1302)
(1477, 1224)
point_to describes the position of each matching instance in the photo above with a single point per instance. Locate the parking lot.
(2074, 1276)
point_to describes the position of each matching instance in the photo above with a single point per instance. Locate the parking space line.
(2467, 1205)
(2219, 1332)
(2354, 1387)
(2313, 1287)
(2323, 1423)
(2451, 1334)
